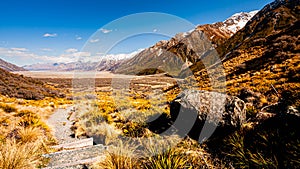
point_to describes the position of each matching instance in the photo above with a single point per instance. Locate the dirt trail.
(80, 153)
(62, 125)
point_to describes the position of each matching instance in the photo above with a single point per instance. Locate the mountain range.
(185, 49)
(122, 63)
(108, 62)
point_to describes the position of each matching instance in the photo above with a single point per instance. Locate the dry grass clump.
(171, 158)
(22, 121)
(273, 144)
(129, 114)
(104, 133)
(28, 118)
(175, 152)
(133, 129)
(24, 135)
(29, 134)
(198, 156)
(243, 157)
(121, 156)
(16, 155)
(130, 155)
(169, 152)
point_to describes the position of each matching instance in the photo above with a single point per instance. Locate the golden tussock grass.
(29, 134)
(14, 155)
(121, 156)
(24, 133)
(162, 155)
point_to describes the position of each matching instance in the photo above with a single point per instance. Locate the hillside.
(264, 55)
(19, 86)
(10, 67)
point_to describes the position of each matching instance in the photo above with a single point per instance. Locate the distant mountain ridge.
(108, 62)
(9, 66)
(104, 64)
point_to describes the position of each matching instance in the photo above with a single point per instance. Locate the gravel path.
(75, 158)
(62, 126)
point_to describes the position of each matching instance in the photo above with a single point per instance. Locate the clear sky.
(33, 31)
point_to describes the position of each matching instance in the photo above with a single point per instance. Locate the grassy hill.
(19, 86)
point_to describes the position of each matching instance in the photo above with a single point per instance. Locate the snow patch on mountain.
(237, 21)
(118, 57)
(231, 25)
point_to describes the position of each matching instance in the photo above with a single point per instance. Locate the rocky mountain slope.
(10, 67)
(279, 18)
(221, 31)
(185, 49)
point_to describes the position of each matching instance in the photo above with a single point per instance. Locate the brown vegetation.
(19, 86)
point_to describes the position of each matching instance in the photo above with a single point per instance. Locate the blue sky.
(33, 31)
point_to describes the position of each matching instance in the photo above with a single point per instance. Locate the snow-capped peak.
(231, 25)
(121, 56)
(237, 21)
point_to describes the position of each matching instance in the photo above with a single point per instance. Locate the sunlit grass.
(29, 134)
(8, 107)
(121, 156)
(24, 135)
(164, 154)
(14, 155)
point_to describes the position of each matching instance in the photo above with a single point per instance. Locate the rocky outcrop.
(193, 111)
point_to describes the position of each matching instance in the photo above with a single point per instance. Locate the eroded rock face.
(194, 110)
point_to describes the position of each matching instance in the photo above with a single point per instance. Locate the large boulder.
(199, 113)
